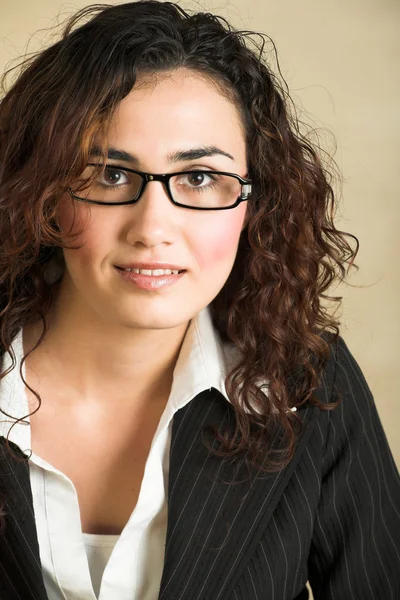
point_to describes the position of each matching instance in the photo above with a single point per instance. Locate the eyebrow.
(173, 157)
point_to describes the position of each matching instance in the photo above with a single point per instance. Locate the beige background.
(340, 60)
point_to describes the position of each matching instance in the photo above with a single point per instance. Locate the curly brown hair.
(270, 308)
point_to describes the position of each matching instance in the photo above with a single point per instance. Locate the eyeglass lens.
(198, 189)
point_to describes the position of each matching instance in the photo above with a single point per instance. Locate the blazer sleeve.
(355, 550)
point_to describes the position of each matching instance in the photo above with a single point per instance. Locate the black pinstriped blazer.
(331, 516)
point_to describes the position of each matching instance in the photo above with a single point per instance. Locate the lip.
(151, 266)
(149, 282)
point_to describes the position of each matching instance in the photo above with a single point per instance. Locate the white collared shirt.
(129, 566)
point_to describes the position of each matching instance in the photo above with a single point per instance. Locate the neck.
(97, 362)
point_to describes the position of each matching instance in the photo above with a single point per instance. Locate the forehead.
(175, 110)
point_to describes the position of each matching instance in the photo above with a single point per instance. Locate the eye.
(113, 176)
(197, 179)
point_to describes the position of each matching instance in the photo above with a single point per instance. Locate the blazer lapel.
(20, 570)
(210, 536)
(216, 515)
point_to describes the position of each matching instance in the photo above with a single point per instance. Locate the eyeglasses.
(199, 190)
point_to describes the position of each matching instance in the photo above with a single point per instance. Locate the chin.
(147, 319)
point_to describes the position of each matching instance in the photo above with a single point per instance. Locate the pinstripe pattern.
(330, 517)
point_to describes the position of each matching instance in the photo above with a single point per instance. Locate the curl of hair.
(290, 252)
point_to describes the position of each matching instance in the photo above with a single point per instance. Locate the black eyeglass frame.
(165, 179)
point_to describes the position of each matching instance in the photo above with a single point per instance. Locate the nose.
(153, 219)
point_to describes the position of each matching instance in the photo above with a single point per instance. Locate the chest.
(103, 455)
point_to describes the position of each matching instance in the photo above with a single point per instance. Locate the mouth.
(151, 272)
(150, 280)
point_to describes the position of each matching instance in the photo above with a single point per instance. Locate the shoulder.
(342, 378)
(354, 432)
(347, 415)
(350, 386)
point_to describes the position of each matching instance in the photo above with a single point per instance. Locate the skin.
(119, 344)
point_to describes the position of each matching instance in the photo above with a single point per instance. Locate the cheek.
(91, 235)
(78, 220)
(71, 217)
(218, 242)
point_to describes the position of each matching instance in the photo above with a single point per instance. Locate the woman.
(177, 419)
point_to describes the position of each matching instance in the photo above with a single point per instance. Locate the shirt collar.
(13, 399)
(202, 363)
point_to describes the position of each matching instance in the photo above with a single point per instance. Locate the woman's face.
(180, 112)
